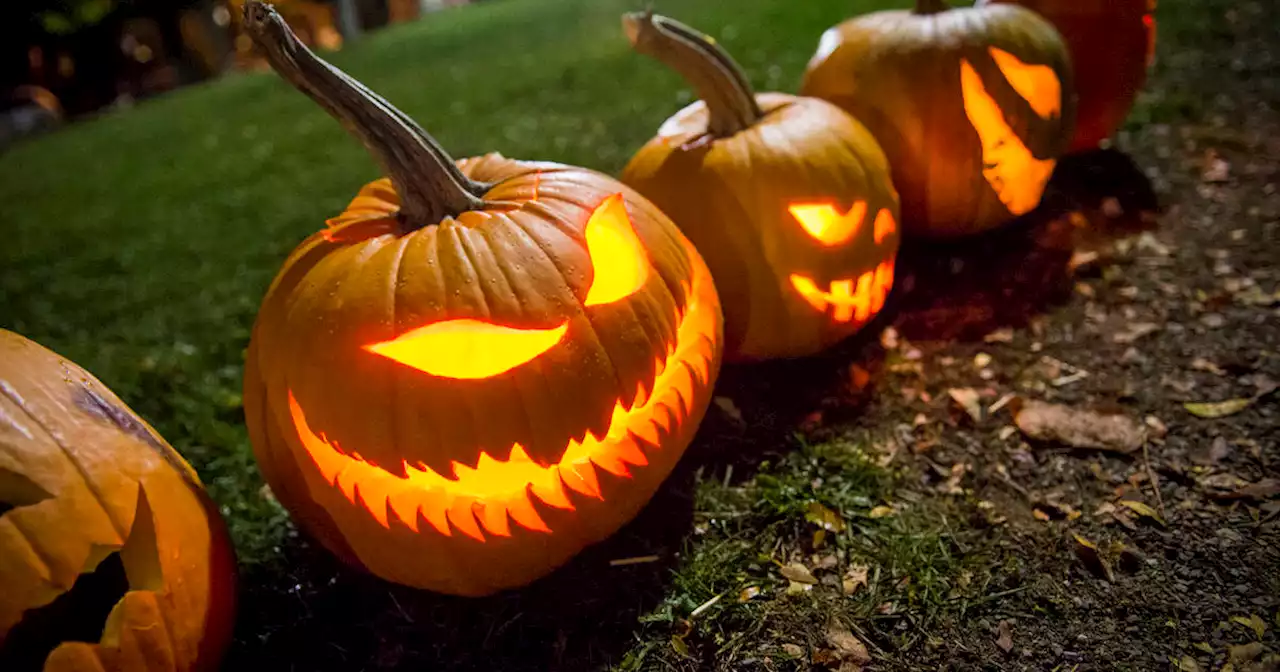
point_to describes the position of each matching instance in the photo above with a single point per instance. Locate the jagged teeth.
(645, 424)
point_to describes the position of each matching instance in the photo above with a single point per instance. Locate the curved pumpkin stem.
(707, 67)
(430, 185)
(931, 6)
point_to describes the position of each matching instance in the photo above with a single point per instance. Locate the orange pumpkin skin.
(636, 373)
(86, 478)
(788, 198)
(732, 197)
(478, 369)
(1112, 44)
(972, 107)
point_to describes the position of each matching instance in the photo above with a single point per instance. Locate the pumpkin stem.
(931, 6)
(430, 185)
(718, 80)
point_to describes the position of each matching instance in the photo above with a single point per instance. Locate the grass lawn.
(140, 244)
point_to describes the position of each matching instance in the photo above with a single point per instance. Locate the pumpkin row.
(481, 367)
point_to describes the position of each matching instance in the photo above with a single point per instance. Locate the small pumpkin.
(973, 106)
(1112, 43)
(112, 557)
(477, 369)
(788, 198)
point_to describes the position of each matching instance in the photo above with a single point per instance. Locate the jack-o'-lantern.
(477, 369)
(1112, 43)
(972, 106)
(789, 199)
(112, 557)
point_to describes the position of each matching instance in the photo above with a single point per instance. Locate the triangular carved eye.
(826, 224)
(618, 257)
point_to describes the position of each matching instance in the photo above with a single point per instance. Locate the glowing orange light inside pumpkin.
(826, 225)
(617, 255)
(884, 225)
(484, 499)
(1017, 177)
(468, 349)
(1037, 84)
(849, 299)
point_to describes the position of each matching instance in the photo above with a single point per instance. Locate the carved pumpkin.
(477, 369)
(788, 198)
(1112, 43)
(972, 106)
(112, 557)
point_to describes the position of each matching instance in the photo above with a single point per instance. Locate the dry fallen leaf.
(880, 511)
(1201, 364)
(1091, 557)
(1079, 428)
(1244, 653)
(824, 517)
(1082, 260)
(889, 338)
(730, 409)
(847, 648)
(854, 577)
(967, 399)
(1253, 622)
(1218, 409)
(1005, 638)
(1216, 169)
(798, 573)
(1264, 489)
(1188, 664)
(746, 594)
(793, 650)
(1003, 335)
(1143, 510)
(1135, 331)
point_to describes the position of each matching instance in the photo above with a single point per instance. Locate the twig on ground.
(1155, 481)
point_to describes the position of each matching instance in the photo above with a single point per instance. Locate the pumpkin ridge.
(39, 555)
(7, 390)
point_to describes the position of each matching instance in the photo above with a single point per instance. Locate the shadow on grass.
(964, 290)
(308, 611)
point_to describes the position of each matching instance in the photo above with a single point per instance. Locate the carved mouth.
(479, 499)
(850, 300)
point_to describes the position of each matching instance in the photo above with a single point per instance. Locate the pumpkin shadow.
(309, 611)
(965, 289)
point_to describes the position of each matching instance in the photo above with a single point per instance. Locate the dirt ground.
(1148, 283)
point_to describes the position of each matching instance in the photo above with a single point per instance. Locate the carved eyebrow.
(618, 259)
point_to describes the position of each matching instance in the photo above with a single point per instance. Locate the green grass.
(139, 244)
